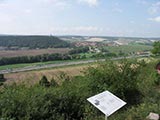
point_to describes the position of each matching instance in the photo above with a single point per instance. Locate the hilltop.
(32, 42)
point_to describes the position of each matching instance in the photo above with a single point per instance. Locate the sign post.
(107, 103)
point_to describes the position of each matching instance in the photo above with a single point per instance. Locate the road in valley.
(29, 68)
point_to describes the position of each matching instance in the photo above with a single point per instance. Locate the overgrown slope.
(135, 82)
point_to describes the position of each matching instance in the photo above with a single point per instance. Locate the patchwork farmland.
(16, 53)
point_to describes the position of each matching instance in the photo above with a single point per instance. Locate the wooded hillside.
(32, 42)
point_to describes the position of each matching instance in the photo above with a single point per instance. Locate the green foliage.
(79, 50)
(40, 103)
(63, 77)
(120, 53)
(32, 42)
(128, 49)
(2, 79)
(156, 48)
(126, 79)
(44, 81)
(157, 80)
(40, 58)
(1, 83)
(33, 59)
(119, 78)
(53, 83)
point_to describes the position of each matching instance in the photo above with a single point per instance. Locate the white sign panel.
(106, 102)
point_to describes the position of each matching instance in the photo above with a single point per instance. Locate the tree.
(53, 83)
(44, 81)
(2, 79)
(121, 53)
(79, 50)
(33, 42)
(156, 48)
(157, 80)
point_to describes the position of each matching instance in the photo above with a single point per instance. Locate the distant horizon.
(74, 35)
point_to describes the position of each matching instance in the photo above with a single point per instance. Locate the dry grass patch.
(32, 77)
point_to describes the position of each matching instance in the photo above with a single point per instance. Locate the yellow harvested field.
(95, 40)
(15, 53)
(32, 77)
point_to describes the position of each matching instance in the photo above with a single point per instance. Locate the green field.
(14, 66)
(127, 49)
(30, 64)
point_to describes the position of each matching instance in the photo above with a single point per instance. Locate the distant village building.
(94, 50)
(79, 44)
(112, 44)
(143, 53)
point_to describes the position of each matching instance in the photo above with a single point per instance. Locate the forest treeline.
(33, 59)
(33, 42)
(65, 97)
(45, 57)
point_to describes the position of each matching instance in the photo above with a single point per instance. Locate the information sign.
(106, 102)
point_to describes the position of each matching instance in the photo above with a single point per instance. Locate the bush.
(19, 102)
(68, 101)
(53, 83)
(157, 80)
(119, 78)
(1, 83)
(44, 82)
(2, 78)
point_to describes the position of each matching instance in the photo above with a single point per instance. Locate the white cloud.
(61, 4)
(91, 3)
(3, 4)
(156, 19)
(155, 8)
(77, 30)
(28, 11)
(118, 10)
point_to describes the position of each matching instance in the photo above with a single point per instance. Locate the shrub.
(157, 80)
(68, 101)
(53, 83)
(2, 79)
(44, 81)
(1, 83)
(119, 78)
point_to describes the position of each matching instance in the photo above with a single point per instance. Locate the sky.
(128, 18)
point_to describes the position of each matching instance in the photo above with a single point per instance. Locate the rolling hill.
(32, 42)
